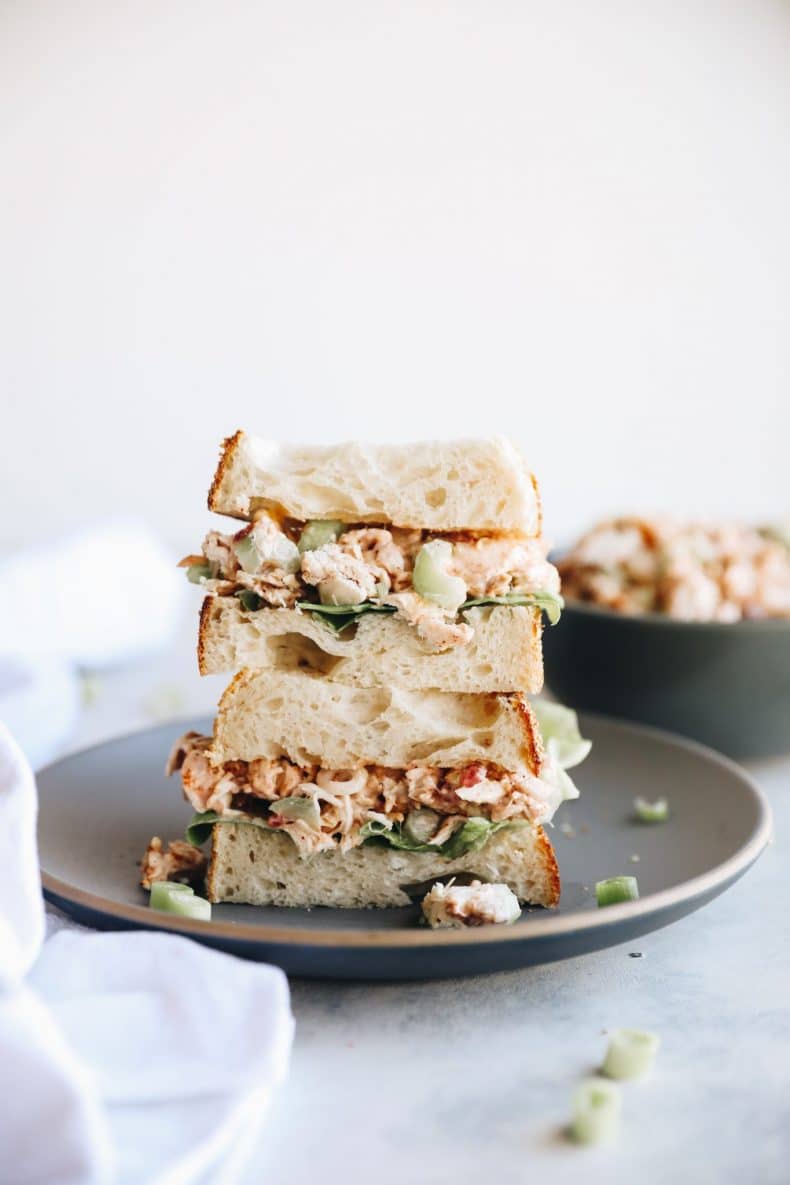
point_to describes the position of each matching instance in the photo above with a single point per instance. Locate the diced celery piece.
(651, 812)
(421, 825)
(306, 810)
(277, 549)
(631, 1053)
(431, 578)
(595, 1111)
(185, 905)
(317, 533)
(616, 889)
(198, 572)
(247, 553)
(164, 890)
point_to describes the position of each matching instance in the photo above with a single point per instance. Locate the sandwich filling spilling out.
(339, 571)
(419, 808)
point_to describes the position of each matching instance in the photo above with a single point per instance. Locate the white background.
(567, 222)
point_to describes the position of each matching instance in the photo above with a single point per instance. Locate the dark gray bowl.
(725, 685)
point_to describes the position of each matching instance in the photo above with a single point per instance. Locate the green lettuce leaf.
(564, 744)
(340, 617)
(551, 603)
(559, 727)
(199, 826)
(470, 837)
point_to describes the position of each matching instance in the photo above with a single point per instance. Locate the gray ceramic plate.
(99, 808)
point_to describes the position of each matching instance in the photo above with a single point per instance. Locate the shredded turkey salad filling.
(339, 571)
(178, 860)
(420, 808)
(690, 571)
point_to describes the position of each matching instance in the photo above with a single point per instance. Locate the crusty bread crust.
(312, 721)
(505, 653)
(227, 450)
(551, 871)
(205, 642)
(482, 485)
(256, 867)
(533, 738)
(538, 504)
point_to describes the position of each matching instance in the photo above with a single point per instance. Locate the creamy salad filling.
(177, 860)
(339, 571)
(477, 904)
(418, 808)
(689, 571)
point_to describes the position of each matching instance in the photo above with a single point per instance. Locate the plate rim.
(533, 926)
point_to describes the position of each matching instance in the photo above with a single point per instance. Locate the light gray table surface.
(469, 1080)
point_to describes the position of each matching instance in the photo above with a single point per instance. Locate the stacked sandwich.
(381, 607)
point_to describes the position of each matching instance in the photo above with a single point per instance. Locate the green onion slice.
(616, 889)
(595, 1111)
(163, 890)
(631, 1053)
(185, 905)
(651, 812)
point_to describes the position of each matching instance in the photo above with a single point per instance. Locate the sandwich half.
(403, 553)
(321, 794)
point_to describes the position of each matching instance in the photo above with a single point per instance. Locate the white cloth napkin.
(39, 703)
(125, 1058)
(102, 596)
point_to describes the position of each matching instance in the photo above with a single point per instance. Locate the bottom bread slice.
(256, 867)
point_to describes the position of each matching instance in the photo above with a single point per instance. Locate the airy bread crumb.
(442, 485)
(313, 721)
(504, 654)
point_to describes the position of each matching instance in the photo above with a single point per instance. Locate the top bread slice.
(476, 485)
(311, 721)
